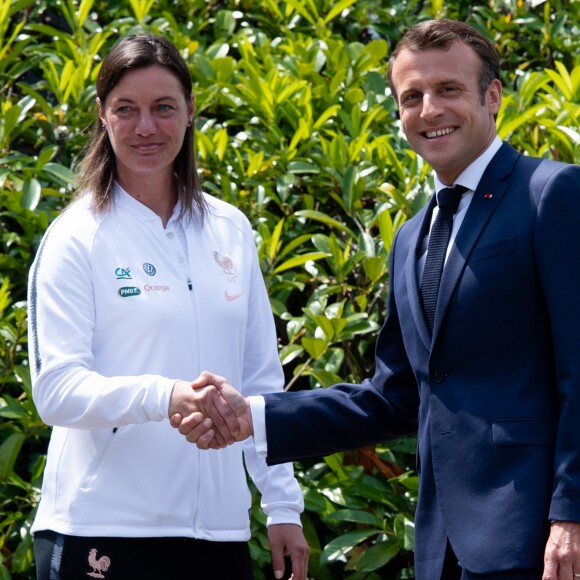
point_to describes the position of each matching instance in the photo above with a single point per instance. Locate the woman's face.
(146, 116)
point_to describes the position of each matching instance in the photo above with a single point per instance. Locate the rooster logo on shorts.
(99, 566)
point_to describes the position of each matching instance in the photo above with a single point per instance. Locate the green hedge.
(296, 126)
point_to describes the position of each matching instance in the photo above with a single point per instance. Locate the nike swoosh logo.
(232, 297)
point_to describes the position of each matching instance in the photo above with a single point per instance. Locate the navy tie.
(448, 202)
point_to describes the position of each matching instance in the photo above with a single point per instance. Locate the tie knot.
(449, 197)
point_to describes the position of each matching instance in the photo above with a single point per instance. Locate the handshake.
(210, 412)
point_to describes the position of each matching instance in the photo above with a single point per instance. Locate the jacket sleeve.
(61, 318)
(558, 253)
(282, 498)
(346, 416)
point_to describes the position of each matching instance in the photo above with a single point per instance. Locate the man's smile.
(439, 132)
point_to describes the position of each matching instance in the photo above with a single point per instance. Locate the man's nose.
(431, 106)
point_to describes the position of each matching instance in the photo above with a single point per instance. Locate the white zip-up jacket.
(117, 313)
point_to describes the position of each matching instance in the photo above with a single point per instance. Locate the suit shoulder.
(549, 175)
(540, 166)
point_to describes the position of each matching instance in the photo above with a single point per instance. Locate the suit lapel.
(486, 198)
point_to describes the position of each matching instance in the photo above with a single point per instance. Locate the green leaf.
(355, 516)
(562, 80)
(9, 122)
(62, 173)
(330, 112)
(289, 353)
(275, 240)
(4, 296)
(31, 192)
(141, 8)
(530, 88)
(314, 500)
(386, 228)
(9, 451)
(507, 127)
(340, 546)
(404, 532)
(337, 9)
(315, 347)
(321, 217)
(300, 7)
(300, 167)
(348, 187)
(45, 156)
(572, 133)
(374, 489)
(4, 572)
(300, 261)
(202, 68)
(375, 268)
(291, 245)
(84, 10)
(326, 325)
(22, 558)
(324, 378)
(367, 244)
(377, 556)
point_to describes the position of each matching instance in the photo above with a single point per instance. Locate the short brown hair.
(441, 34)
(98, 168)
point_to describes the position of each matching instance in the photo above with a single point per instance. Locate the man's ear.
(493, 97)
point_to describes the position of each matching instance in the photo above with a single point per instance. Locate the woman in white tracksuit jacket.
(139, 286)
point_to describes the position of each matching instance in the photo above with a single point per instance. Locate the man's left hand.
(288, 540)
(562, 555)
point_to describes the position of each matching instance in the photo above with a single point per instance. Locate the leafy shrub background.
(296, 126)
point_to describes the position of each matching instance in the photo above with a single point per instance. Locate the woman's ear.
(101, 113)
(191, 111)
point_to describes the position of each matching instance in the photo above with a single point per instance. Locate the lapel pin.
(488, 195)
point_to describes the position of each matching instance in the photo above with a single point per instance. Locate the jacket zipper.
(196, 483)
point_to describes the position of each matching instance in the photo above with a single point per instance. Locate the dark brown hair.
(441, 34)
(98, 168)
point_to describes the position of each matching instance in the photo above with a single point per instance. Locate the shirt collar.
(471, 175)
(124, 198)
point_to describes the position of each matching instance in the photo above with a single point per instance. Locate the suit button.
(439, 376)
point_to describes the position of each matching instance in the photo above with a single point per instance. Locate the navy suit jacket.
(494, 392)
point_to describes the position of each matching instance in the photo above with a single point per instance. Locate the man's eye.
(411, 98)
(165, 108)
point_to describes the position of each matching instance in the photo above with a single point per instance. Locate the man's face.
(442, 113)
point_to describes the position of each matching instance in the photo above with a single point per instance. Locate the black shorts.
(60, 557)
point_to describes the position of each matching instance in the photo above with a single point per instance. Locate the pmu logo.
(127, 291)
(123, 273)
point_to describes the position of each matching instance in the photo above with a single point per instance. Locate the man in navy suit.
(493, 384)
